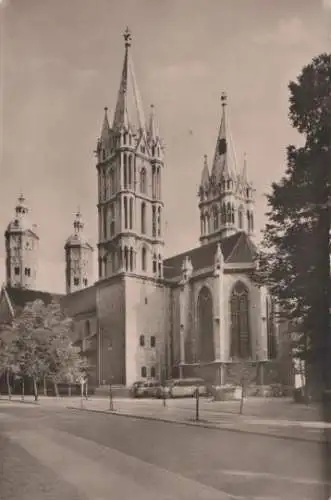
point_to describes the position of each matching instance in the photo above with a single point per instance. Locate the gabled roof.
(236, 249)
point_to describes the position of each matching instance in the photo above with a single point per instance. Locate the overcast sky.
(60, 65)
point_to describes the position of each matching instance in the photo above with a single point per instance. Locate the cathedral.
(148, 316)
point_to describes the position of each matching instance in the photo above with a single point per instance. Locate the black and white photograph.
(165, 285)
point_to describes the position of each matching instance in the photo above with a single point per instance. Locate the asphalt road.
(72, 455)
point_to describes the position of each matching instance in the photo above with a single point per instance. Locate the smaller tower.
(78, 255)
(226, 197)
(21, 248)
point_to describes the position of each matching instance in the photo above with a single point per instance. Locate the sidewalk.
(210, 417)
(278, 418)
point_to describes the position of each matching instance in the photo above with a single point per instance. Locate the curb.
(35, 403)
(203, 424)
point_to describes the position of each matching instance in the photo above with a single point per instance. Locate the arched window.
(131, 213)
(126, 258)
(215, 218)
(228, 212)
(205, 351)
(143, 259)
(143, 218)
(125, 168)
(131, 259)
(158, 183)
(154, 221)
(153, 372)
(130, 173)
(143, 180)
(104, 220)
(125, 212)
(143, 371)
(241, 217)
(223, 214)
(232, 214)
(142, 340)
(159, 221)
(240, 333)
(112, 182)
(87, 328)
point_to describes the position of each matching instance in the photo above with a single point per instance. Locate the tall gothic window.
(143, 218)
(215, 218)
(205, 351)
(241, 217)
(143, 186)
(125, 212)
(159, 221)
(228, 212)
(126, 258)
(240, 334)
(154, 221)
(130, 173)
(223, 214)
(131, 213)
(125, 170)
(143, 259)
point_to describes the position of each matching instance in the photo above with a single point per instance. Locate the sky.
(60, 64)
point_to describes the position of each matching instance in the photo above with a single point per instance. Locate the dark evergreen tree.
(295, 257)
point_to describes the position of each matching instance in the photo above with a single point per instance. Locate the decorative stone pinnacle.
(127, 37)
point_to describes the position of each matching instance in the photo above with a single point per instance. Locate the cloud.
(288, 32)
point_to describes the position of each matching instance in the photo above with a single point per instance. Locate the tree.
(43, 346)
(241, 373)
(294, 261)
(7, 355)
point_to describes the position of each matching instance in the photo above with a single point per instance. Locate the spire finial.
(224, 99)
(105, 109)
(127, 37)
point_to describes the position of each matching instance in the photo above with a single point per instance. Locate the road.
(54, 453)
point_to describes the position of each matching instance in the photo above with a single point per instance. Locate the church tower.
(226, 195)
(21, 249)
(130, 169)
(78, 258)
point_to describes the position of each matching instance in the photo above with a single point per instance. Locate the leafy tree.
(7, 355)
(294, 261)
(43, 346)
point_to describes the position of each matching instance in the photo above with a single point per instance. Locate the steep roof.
(236, 249)
(129, 111)
(224, 163)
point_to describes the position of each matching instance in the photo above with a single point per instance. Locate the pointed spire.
(128, 112)
(224, 164)
(205, 173)
(152, 130)
(105, 126)
(244, 170)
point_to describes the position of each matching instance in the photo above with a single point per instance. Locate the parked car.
(135, 386)
(186, 387)
(146, 389)
(163, 391)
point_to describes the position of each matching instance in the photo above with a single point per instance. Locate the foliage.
(294, 261)
(40, 345)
